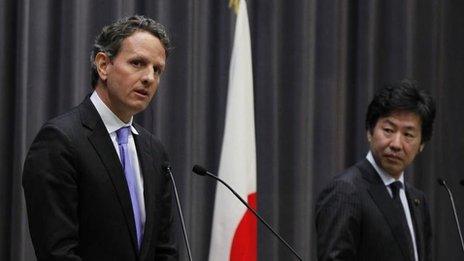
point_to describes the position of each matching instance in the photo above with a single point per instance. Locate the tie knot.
(123, 134)
(395, 187)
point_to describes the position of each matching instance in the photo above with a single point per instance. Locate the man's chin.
(138, 107)
(390, 165)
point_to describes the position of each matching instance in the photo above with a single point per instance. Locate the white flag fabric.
(234, 231)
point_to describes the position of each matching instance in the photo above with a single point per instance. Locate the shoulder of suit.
(351, 175)
(347, 182)
(66, 122)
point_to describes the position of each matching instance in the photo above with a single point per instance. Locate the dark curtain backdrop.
(316, 66)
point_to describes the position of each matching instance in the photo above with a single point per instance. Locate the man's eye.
(388, 130)
(137, 63)
(409, 135)
(157, 70)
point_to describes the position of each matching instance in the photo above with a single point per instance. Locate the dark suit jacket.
(356, 219)
(77, 200)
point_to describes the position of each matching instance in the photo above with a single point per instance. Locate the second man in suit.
(369, 212)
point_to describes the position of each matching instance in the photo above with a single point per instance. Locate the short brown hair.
(110, 38)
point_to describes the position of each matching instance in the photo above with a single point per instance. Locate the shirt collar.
(110, 120)
(386, 178)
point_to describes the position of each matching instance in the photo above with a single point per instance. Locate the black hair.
(110, 38)
(402, 96)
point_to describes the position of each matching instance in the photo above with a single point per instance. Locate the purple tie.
(123, 134)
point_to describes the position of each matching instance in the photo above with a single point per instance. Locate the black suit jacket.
(77, 200)
(356, 219)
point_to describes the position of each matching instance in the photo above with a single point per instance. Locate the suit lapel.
(147, 164)
(417, 219)
(384, 202)
(101, 142)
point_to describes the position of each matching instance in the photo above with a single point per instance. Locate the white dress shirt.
(112, 124)
(387, 180)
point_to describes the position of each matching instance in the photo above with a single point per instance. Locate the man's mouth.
(392, 157)
(141, 92)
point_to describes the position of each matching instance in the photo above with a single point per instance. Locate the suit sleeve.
(50, 188)
(338, 217)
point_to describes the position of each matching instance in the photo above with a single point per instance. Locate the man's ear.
(102, 60)
(369, 136)
(421, 147)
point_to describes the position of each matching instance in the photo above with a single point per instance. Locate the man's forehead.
(406, 119)
(139, 37)
(141, 42)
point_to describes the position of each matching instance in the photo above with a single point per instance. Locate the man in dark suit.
(368, 212)
(94, 181)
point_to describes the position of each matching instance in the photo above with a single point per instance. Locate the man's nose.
(395, 143)
(148, 76)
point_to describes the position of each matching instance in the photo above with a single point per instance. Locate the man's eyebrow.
(138, 56)
(388, 121)
(411, 128)
(407, 127)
